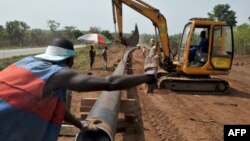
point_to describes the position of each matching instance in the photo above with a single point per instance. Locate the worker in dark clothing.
(203, 46)
(91, 57)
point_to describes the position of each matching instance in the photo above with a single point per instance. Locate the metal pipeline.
(106, 108)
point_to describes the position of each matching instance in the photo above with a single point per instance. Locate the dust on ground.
(172, 116)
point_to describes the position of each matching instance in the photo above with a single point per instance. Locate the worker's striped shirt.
(25, 113)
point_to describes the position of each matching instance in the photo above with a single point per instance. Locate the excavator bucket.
(133, 40)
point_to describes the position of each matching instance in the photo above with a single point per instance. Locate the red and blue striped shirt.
(26, 114)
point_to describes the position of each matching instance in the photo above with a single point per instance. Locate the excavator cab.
(209, 55)
(179, 72)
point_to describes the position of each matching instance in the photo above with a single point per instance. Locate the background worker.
(152, 50)
(144, 51)
(105, 57)
(33, 90)
(91, 57)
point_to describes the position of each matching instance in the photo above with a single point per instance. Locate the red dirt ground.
(171, 116)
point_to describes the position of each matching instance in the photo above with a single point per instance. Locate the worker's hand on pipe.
(90, 124)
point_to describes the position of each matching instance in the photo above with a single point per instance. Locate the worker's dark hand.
(90, 124)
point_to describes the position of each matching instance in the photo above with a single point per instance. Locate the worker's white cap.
(60, 49)
(56, 54)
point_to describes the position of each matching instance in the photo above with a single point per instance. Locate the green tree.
(145, 38)
(222, 12)
(68, 32)
(71, 32)
(38, 37)
(174, 41)
(2, 32)
(2, 35)
(242, 39)
(107, 34)
(53, 25)
(76, 33)
(16, 32)
(94, 30)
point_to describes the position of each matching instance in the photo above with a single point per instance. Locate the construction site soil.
(171, 116)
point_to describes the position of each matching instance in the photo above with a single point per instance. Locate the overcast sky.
(98, 13)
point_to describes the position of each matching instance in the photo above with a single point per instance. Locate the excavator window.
(222, 42)
(198, 53)
(183, 43)
(222, 48)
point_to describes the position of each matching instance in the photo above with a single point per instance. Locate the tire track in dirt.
(193, 121)
(196, 114)
(203, 116)
(160, 121)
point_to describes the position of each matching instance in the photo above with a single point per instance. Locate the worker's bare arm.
(73, 80)
(68, 117)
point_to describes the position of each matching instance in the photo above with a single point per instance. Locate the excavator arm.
(148, 11)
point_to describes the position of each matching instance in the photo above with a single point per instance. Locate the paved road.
(18, 52)
(24, 51)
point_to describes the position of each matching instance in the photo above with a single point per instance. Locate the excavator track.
(193, 84)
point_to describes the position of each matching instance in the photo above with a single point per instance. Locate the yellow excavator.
(178, 71)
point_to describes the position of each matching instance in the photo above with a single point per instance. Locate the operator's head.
(203, 34)
(60, 50)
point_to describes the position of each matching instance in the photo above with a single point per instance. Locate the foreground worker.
(33, 91)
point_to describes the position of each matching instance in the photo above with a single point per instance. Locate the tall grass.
(6, 62)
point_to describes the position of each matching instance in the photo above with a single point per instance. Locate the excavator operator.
(203, 46)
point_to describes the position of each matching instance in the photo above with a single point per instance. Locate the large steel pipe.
(106, 108)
